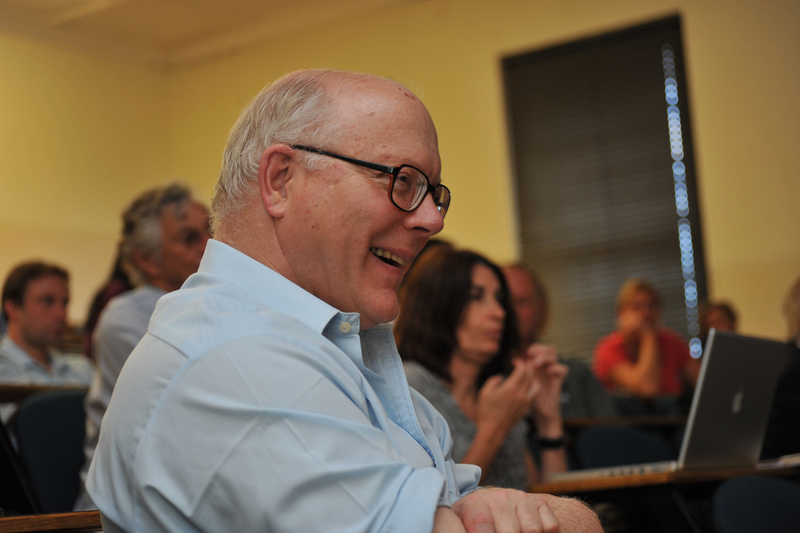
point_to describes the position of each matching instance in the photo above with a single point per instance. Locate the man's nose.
(427, 216)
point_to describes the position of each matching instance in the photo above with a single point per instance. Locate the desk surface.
(82, 522)
(577, 486)
(641, 421)
(17, 393)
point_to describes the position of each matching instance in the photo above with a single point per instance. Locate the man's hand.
(504, 510)
(502, 402)
(548, 381)
(495, 510)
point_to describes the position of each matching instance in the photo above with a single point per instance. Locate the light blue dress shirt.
(19, 368)
(251, 405)
(121, 326)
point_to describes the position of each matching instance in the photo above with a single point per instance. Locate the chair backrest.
(757, 503)
(602, 446)
(16, 495)
(50, 428)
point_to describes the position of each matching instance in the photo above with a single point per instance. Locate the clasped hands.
(533, 386)
(495, 510)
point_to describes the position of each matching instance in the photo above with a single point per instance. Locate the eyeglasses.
(409, 184)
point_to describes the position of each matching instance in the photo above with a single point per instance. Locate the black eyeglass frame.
(394, 172)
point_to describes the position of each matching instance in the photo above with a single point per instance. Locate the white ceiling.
(170, 33)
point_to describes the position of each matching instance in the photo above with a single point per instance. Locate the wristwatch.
(551, 444)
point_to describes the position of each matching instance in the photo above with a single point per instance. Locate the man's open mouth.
(388, 257)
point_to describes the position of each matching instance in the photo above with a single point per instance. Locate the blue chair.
(16, 495)
(757, 503)
(602, 446)
(50, 428)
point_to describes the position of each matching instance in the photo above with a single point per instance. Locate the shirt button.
(345, 327)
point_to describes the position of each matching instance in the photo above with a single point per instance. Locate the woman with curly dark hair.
(457, 335)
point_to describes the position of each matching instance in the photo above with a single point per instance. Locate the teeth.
(388, 255)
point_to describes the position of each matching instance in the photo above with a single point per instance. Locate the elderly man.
(268, 394)
(164, 235)
(35, 298)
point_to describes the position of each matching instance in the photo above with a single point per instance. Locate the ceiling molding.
(172, 34)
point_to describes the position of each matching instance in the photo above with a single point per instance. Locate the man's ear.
(146, 263)
(11, 309)
(275, 172)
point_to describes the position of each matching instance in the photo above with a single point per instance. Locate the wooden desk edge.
(572, 486)
(78, 522)
(10, 393)
(661, 421)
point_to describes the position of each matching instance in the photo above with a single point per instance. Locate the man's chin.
(379, 315)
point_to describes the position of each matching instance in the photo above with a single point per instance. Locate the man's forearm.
(573, 515)
(446, 521)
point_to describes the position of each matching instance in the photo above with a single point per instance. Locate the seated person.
(642, 360)
(267, 394)
(783, 429)
(35, 298)
(582, 395)
(717, 315)
(116, 284)
(164, 235)
(456, 333)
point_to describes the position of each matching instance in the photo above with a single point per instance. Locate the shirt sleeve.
(608, 353)
(250, 450)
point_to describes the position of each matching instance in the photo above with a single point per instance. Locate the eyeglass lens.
(410, 188)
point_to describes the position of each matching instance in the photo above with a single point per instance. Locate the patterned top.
(508, 468)
(19, 368)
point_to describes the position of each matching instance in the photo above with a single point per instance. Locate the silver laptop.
(729, 412)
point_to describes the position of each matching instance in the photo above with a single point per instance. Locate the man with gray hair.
(164, 234)
(268, 394)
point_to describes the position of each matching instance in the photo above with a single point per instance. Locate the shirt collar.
(269, 287)
(19, 356)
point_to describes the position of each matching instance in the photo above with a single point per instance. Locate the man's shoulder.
(129, 311)
(198, 320)
(139, 300)
(11, 355)
(577, 367)
(75, 362)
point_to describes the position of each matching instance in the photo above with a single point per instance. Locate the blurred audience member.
(718, 315)
(432, 245)
(35, 298)
(116, 284)
(783, 430)
(582, 395)
(164, 236)
(456, 333)
(641, 359)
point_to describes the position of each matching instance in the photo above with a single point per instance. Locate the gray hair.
(141, 225)
(791, 309)
(299, 108)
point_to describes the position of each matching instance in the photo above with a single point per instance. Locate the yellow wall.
(79, 136)
(743, 77)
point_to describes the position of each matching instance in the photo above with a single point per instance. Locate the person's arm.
(641, 377)
(446, 521)
(691, 371)
(494, 509)
(501, 405)
(549, 377)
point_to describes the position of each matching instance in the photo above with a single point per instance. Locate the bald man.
(268, 394)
